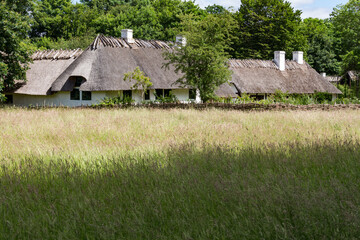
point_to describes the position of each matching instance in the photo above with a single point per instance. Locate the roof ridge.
(119, 42)
(56, 54)
(261, 63)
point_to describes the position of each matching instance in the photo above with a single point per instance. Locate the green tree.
(346, 21)
(142, 83)
(266, 26)
(149, 19)
(321, 45)
(60, 19)
(14, 56)
(102, 5)
(203, 60)
(216, 9)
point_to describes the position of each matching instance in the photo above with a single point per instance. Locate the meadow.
(179, 174)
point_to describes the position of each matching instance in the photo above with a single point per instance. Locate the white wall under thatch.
(57, 99)
(63, 98)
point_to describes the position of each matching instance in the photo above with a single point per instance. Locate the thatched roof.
(104, 63)
(353, 75)
(47, 66)
(260, 76)
(56, 54)
(226, 90)
(333, 79)
(102, 41)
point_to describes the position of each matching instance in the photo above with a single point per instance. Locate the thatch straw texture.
(104, 63)
(46, 67)
(333, 79)
(104, 69)
(225, 90)
(353, 75)
(258, 76)
(41, 75)
(56, 54)
(102, 41)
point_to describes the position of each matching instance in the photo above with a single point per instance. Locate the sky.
(310, 8)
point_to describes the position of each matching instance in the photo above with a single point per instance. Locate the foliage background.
(260, 27)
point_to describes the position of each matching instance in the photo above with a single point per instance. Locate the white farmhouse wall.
(58, 99)
(63, 98)
(181, 94)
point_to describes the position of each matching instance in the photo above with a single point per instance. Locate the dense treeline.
(262, 26)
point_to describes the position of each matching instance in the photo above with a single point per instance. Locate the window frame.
(86, 92)
(79, 96)
(73, 92)
(159, 95)
(192, 91)
(147, 95)
(127, 93)
(167, 93)
(9, 99)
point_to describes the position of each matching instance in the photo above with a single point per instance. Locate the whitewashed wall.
(58, 99)
(63, 98)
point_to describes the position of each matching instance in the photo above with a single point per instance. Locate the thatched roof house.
(332, 79)
(265, 76)
(77, 77)
(347, 78)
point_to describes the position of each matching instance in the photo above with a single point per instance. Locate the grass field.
(179, 174)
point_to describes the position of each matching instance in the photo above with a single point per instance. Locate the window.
(258, 97)
(159, 93)
(86, 96)
(192, 94)
(147, 95)
(78, 81)
(167, 92)
(162, 93)
(127, 94)
(9, 99)
(75, 94)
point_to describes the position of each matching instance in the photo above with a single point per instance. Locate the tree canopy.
(266, 26)
(14, 25)
(346, 22)
(321, 45)
(263, 26)
(203, 60)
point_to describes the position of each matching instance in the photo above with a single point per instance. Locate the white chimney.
(181, 40)
(298, 57)
(279, 58)
(127, 34)
(323, 74)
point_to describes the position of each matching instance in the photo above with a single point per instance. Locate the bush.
(118, 100)
(167, 99)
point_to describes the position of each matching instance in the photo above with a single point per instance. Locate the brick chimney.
(279, 59)
(298, 57)
(180, 40)
(127, 34)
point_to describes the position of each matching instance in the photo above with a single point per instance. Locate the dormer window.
(78, 81)
(76, 94)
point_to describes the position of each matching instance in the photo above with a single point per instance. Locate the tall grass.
(179, 174)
